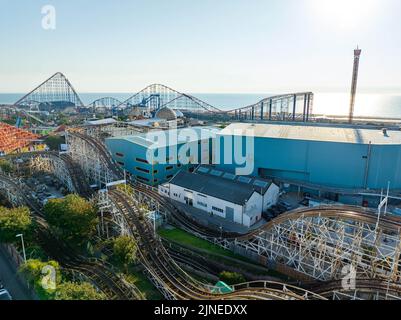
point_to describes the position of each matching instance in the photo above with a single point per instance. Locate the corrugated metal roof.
(315, 133)
(101, 122)
(218, 187)
(162, 138)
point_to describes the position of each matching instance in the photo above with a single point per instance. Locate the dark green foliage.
(38, 274)
(6, 166)
(14, 221)
(125, 250)
(231, 278)
(53, 142)
(73, 219)
(77, 291)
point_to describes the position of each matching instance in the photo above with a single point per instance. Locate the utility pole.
(357, 55)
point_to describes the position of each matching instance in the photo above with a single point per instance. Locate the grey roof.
(164, 138)
(166, 113)
(101, 122)
(218, 187)
(326, 133)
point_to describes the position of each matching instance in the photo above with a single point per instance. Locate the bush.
(6, 166)
(73, 218)
(77, 291)
(40, 275)
(53, 142)
(14, 221)
(231, 278)
(125, 251)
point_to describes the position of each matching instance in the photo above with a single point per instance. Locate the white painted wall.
(271, 196)
(246, 215)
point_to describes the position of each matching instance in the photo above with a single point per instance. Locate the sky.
(204, 46)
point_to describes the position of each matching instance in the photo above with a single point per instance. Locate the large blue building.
(156, 156)
(317, 155)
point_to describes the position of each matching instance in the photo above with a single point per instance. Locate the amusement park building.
(319, 155)
(156, 156)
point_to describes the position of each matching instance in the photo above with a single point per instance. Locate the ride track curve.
(101, 275)
(356, 214)
(177, 282)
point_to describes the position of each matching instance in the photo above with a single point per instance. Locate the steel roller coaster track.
(58, 90)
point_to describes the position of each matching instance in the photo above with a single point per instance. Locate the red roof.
(13, 139)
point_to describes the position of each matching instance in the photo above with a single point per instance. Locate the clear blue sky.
(201, 45)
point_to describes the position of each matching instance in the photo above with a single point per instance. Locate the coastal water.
(367, 104)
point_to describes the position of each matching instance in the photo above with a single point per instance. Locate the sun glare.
(345, 13)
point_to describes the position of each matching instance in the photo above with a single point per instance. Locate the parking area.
(46, 187)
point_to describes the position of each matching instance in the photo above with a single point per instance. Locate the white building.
(236, 198)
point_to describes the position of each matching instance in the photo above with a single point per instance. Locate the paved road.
(10, 280)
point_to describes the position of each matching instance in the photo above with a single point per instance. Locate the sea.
(325, 103)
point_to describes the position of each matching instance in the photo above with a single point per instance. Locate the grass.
(144, 285)
(215, 252)
(187, 239)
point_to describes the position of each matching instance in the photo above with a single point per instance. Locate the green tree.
(73, 218)
(14, 221)
(77, 291)
(54, 141)
(231, 278)
(6, 166)
(44, 276)
(125, 250)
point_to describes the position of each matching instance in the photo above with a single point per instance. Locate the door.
(189, 201)
(229, 214)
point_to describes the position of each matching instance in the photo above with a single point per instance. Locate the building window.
(120, 163)
(202, 204)
(169, 176)
(169, 168)
(118, 154)
(155, 171)
(141, 160)
(142, 169)
(218, 209)
(142, 178)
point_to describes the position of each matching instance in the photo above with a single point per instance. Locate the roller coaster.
(57, 93)
(314, 244)
(173, 281)
(159, 264)
(101, 275)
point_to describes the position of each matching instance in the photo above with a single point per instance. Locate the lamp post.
(23, 245)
